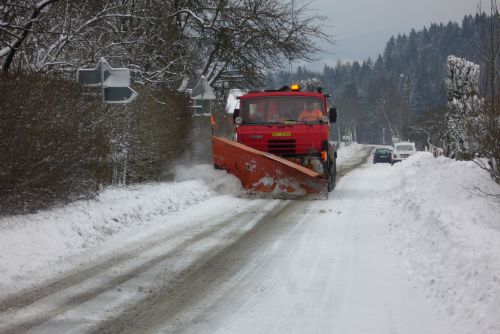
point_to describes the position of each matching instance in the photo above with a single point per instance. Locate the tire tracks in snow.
(170, 301)
(11, 307)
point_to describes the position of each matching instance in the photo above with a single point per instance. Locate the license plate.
(281, 134)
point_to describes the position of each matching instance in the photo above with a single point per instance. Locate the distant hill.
(405, 82)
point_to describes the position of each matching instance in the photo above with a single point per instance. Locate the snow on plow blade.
(263, 172)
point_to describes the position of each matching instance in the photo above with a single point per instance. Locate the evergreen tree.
(409, 76)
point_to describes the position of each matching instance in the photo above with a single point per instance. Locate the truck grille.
(281, 146)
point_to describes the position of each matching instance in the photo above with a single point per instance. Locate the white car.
(402, 150)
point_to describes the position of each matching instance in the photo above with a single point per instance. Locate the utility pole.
(408, 89)
(406, 84)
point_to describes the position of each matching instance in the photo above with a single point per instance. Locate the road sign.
(118, 77)
(202, 90)
(118, 94)
(114, 77)
(115, 82)
(89, 77)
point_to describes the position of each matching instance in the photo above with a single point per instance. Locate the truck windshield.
(282, 109)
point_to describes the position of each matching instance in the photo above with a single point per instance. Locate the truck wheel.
(332, 174)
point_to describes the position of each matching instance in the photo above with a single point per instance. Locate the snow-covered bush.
(473, 123)
(464, 104)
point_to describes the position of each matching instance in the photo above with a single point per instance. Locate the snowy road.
(233, 265)
(316, 267)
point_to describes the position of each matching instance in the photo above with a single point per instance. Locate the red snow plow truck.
(282, 143)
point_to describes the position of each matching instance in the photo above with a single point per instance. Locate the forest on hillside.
(405, 87)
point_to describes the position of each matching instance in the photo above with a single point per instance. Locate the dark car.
(382, 155)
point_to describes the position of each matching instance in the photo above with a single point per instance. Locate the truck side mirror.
(332, 113)
(236, 113)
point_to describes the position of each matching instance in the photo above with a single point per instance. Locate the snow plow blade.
(265, 173)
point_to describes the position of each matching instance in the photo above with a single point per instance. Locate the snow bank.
(448, 233)
(28, 242)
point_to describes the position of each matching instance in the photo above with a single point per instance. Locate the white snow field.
(409, 248)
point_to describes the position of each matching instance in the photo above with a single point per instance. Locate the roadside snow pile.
(448, 232)
(31, 241)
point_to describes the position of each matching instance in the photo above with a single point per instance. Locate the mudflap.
(265, 173)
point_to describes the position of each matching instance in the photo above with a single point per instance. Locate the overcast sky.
(361, 28)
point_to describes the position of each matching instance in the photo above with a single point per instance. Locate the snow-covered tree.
(17, 20)
(164, 42)
(464, 104)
